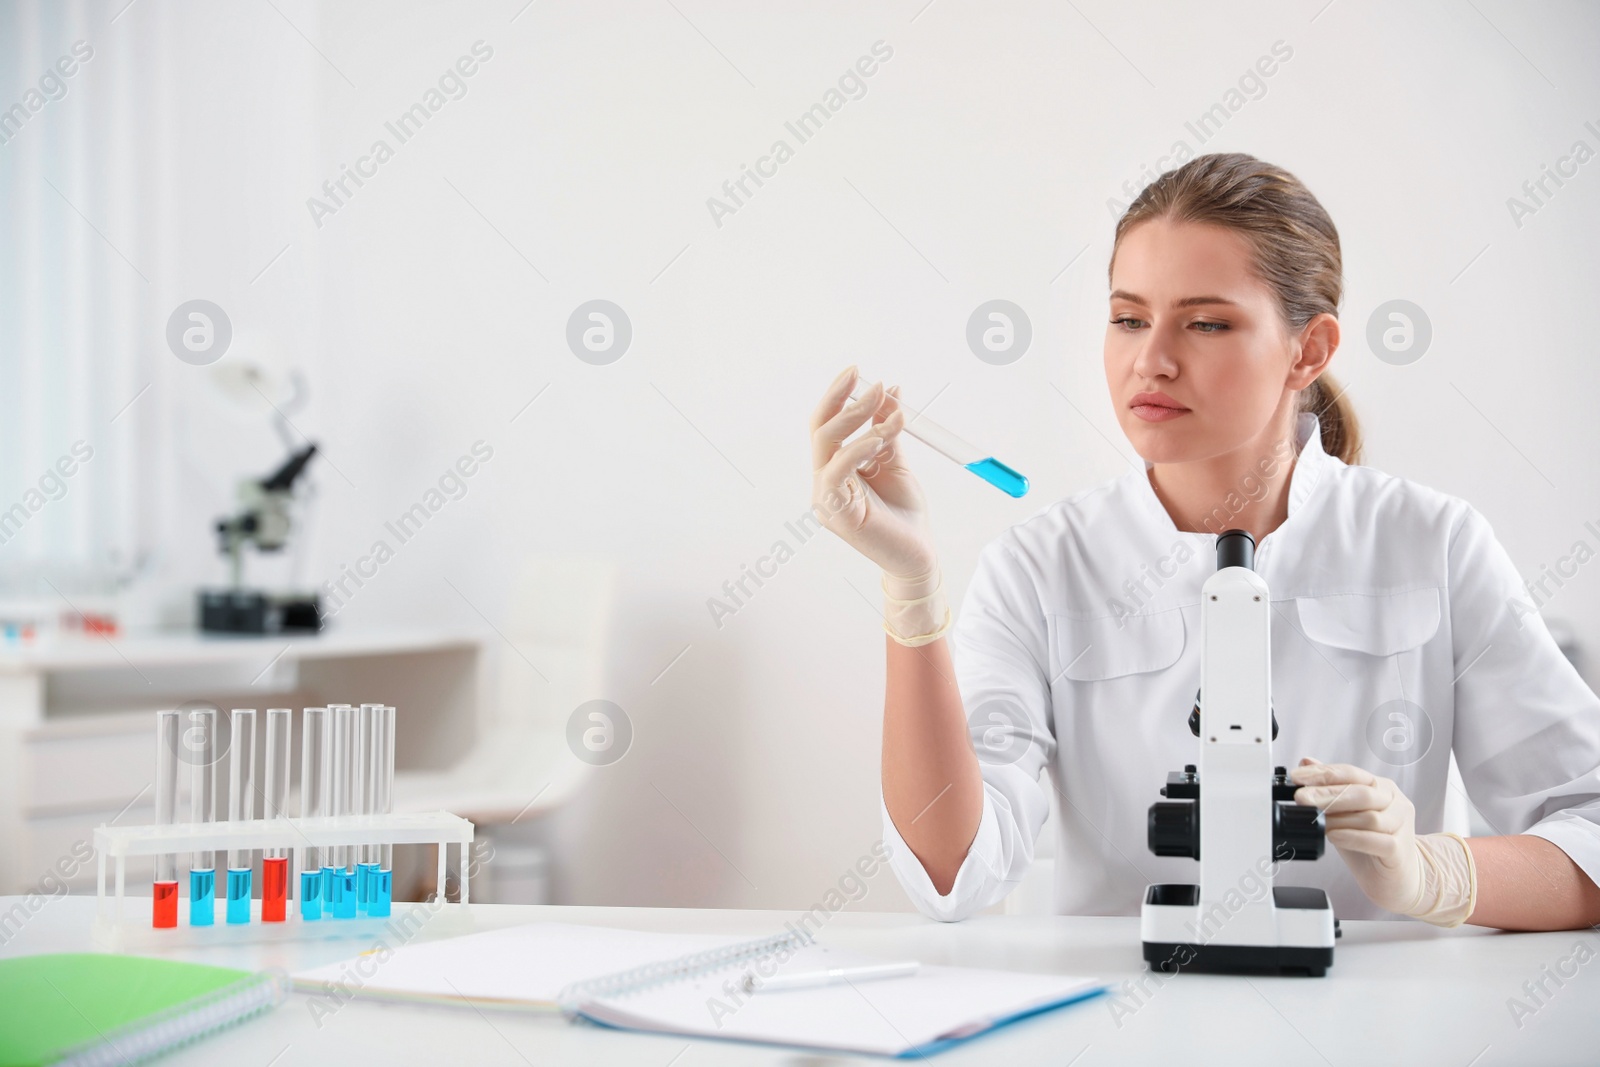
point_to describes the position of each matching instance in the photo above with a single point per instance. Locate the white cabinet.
(88, 762)
(77, 723)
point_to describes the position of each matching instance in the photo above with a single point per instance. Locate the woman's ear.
(1318, 341)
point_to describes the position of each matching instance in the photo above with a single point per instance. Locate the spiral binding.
(182, 1024)
(677, 969)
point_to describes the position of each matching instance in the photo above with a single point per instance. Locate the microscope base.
(1285, 960)
(251, 611)
(1171, 919)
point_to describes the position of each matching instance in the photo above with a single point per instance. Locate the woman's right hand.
(863, 491)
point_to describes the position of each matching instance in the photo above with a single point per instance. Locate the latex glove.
(1373, 825)
(865, 494)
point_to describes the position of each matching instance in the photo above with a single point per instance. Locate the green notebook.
(90, 1008)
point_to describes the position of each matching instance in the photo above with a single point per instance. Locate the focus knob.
(1297, 832)
(1175, 828)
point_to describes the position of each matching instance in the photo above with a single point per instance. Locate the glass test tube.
(313, 804)
(1006, 479)
(344, 767)
(330, 805)
(352, 806)
(383, 804)
(368, 726)
(201, 745)
(275, 861)
(164, 894)
(331, 884)
(241, 807)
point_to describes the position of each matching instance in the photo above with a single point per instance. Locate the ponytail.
(1341, 433)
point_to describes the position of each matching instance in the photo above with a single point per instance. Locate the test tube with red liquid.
(164, 896)
(275, 861)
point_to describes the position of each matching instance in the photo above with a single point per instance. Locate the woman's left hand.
(1373, 825)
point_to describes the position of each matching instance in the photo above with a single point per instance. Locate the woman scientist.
(1401, 630)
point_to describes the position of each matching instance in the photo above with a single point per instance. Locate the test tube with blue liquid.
(275, 861)
(346, 767)
(333, 781)
(314, 772)
(369, 728)
(1006, 479)
(241, 808)
(383, 804)
(201, 745)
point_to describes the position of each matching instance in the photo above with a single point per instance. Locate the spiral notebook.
(693, 985)
(91, 1009)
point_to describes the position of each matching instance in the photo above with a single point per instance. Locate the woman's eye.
(1131, 323)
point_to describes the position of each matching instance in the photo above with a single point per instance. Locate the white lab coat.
(1077, 651)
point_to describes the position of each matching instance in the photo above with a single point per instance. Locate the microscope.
(1235, 920)
(264, 520)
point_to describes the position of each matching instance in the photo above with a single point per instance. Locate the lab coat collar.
(1311, 464)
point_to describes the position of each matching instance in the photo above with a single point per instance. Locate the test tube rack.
(117, 928)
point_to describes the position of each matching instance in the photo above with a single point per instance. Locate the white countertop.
(1398, 992)
(183, 647)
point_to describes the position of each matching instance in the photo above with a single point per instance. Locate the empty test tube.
(275, 861)
(241, 808)
(313, 804)
(164, 894)
(201, 746)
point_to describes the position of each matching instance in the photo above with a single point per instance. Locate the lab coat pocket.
(1109, 646)
(1372, 687)
(1378, 624)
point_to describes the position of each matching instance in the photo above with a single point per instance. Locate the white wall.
(978, 164)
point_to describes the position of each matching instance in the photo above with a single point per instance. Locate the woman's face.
(1190, 321)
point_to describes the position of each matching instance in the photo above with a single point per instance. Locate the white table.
(1397, 993)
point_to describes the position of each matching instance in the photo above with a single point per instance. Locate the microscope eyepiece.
(1236, 548)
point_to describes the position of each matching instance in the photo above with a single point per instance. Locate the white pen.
(831, 976)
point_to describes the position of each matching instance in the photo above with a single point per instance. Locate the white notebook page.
(886, 1016)
(515, 966)
(527, 966)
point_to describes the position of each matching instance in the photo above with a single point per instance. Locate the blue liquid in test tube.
(1000, 476)
(332, 889)
(364, 874)
(203, 896)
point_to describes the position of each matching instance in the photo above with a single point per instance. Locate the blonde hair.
(1295, 250)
